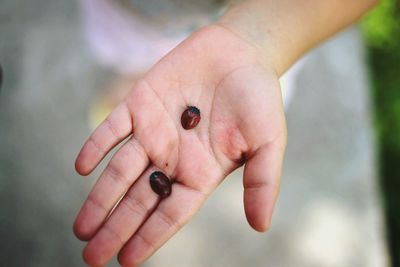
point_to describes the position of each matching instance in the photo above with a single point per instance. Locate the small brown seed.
(160, 184)
(190, 117)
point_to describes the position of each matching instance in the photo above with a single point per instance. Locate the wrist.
(284, 30)
(251, 25)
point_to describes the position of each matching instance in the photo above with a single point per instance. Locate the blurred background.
(67, 63)
(381, 29)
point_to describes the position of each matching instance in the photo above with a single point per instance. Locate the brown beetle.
(190, 117)
(160, 184)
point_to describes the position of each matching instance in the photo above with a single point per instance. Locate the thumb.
(261, 182)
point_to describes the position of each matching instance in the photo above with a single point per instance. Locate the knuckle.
(168, 220)
(137, 149)
(111, 128)
(95, 144)
(257, 185)
(107, 227)
(146, 241)
(95, 202)
(117, 175)
(135, 206)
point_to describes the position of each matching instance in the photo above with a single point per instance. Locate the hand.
(242, 121)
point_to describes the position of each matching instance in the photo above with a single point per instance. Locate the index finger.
(114, 129)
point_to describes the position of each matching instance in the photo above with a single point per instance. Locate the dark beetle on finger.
(160, 184)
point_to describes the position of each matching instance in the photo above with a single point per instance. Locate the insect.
(160, 184)
(190, 117)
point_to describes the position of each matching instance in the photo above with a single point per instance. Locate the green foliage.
(380, 26)
(381, 29)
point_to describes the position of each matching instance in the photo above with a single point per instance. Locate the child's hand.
(242, 121)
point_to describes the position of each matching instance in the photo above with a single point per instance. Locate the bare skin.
(242, 119)
(232, 78)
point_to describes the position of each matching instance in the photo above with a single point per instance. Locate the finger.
(170, 215)
(123, 169)
(115, 128)
(154, 125)
(130, 213)
(262, 174)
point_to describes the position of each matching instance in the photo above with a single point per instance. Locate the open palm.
(242, 121)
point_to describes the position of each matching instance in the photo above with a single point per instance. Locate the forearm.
(283, 30)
